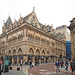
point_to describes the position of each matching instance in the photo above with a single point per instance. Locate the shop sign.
(42, 57)
(21, 56)
(30, 56)
(36, 55)
(7, 62)
(15, 56)
(47, 56)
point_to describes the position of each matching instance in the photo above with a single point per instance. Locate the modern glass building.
(68, 50)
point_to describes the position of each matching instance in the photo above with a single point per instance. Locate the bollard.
(29, 70)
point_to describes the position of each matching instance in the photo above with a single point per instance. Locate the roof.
(25, 18)
(60, 27)
(8, 22)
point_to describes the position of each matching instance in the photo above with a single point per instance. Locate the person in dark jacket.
(0, 69)
(57, 66)
(72, 65)
(61, 63)
(66, 64)
(31, 64)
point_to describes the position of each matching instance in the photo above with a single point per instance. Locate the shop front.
(30, 58)
(10, 60)
(37, 60)
(47, 59)
(21, 59)
(15, 59)
(42, 59)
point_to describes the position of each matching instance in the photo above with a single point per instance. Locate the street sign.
(7, 62)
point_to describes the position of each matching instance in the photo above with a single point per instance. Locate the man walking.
(57, 66)
(66, 64)
(72, 65)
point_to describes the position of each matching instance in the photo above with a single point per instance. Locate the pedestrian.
(21, 62)
(66, 65)
(31, 64)
(61, 63)
(72, 65)
(0, 69)
(57, 66)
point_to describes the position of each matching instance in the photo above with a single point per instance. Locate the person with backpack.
(57, 66)
(66, 64)
(72, 65)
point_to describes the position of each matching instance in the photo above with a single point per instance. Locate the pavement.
(13, 72)
(46, 69)
(42, 69)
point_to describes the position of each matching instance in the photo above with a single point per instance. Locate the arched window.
(14, 52)
(37, 51)
(43, 52)
(20, 51)
(9, 52)
(31, 51)
(47, 52)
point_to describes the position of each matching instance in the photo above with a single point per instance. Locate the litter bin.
(10, 68)
(18, 68)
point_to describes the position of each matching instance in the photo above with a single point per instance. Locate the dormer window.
(33, 17)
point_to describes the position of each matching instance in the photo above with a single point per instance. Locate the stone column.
(34, 60)
(24, 59)
(12, 60)
(49, 59)
(34, 37)
(52, 59)
(40, 60)
(17, 59)
(44, 59)
(25, 38)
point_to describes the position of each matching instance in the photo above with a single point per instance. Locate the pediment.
(32, 19)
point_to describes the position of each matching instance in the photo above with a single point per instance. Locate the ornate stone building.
(72, 31)
(27, 39)
(63, 30)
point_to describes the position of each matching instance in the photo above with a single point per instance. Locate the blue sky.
(56, 12)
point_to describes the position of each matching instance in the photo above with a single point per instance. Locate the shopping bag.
(70, 68)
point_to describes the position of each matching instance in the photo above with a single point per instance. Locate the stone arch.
(9, 52)
(30, 48)
(37, 52)
(43, 52)
(30, 51)
(37, 48)
(47, 53)
(14, 52)
(20, 51)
